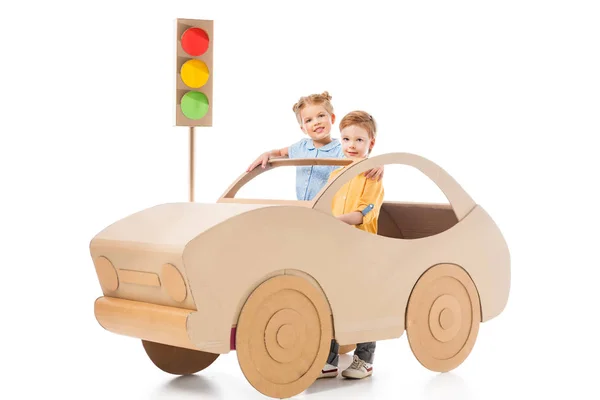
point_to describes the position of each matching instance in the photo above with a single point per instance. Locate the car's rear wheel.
(442, 317)
(347, 348)
(283, 336)
(177, 360)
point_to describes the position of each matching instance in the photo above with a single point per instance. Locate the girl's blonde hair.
(313, 99)
(362, 119)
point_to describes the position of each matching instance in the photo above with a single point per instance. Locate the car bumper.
(153, 322)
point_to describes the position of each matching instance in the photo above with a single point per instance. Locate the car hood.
(171, 225)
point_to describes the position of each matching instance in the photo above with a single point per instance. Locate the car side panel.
(366, 278)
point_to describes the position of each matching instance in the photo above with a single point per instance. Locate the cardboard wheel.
(283, 336)
(177, 360)
(442, 317)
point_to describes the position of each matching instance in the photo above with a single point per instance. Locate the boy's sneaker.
(358, 369)
(328, 371)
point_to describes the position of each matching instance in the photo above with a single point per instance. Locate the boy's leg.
(330, 370)
(365, 351)
(362, 365)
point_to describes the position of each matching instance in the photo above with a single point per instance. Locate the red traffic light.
(195, 41)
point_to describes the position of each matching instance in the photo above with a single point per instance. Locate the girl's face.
(316, 122)
(356, 142)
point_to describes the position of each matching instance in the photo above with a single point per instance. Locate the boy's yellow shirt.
(356, 195)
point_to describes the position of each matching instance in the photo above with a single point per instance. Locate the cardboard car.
(276, 280)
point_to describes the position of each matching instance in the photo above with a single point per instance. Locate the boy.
(357, 203)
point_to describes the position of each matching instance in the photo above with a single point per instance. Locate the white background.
(505, 96)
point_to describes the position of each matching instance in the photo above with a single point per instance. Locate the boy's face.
(316, 122)
(356, 142)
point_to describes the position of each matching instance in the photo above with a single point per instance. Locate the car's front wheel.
(283, 336)
(177, 360)
(442, 317)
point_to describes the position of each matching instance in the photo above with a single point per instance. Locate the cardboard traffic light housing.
(194, 77)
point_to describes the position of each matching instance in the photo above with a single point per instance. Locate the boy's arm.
(352, 218)
(264, 157)
(368, 206)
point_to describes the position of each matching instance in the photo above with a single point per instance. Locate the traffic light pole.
(194, 86)
(191, 163)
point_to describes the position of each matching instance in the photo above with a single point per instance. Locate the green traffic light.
(194, 105)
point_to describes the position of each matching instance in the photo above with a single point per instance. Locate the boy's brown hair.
(313, 99)
(361, 119)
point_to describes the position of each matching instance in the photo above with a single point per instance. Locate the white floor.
(75, 356)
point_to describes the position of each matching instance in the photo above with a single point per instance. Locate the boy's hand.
(375, 173)
(351, 218)
(262, 159)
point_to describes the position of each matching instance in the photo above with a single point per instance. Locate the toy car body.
(276, 280)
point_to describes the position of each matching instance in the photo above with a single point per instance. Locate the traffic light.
(194, 80)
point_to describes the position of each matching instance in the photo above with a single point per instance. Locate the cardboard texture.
(216, 263)
(178, 360)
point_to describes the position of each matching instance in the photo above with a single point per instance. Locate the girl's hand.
(262, 159)
(375, 173)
